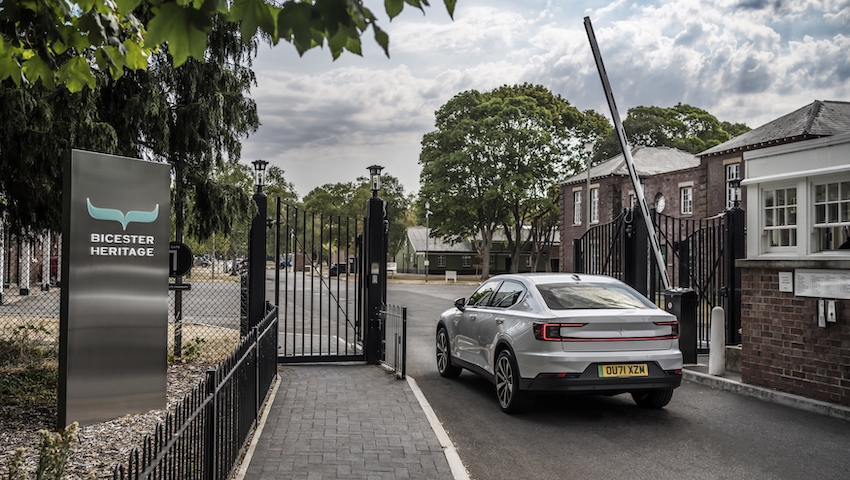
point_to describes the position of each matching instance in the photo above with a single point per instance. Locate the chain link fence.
(203, 320)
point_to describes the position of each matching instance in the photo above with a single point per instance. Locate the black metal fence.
(203, 437)
(698, 254)
(394, 351)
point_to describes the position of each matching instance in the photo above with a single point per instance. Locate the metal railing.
(394, 351)
(203, 436)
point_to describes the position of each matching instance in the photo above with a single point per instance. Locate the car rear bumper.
(589, 381)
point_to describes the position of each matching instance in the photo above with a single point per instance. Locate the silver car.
(573, 333)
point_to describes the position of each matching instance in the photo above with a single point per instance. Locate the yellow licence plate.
(624, 370)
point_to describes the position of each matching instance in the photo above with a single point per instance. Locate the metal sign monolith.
(114, 299)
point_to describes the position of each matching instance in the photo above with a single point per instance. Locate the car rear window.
(574, 296)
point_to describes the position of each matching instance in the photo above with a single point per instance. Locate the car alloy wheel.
(511, 399)
(444, 357)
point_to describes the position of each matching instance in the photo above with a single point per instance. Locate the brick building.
(671, 181)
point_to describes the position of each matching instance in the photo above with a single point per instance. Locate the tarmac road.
(702, 433)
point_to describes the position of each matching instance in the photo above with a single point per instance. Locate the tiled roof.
(817, 119)
(648, 161)
(416, 236)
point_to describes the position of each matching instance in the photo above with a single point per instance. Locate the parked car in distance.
(202, 261)
(561, 333)
(338, 268)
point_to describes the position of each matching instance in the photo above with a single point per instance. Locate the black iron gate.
(319, 278)
(699, 254)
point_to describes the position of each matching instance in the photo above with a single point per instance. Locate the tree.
(54, 42)
(493, 158)
(36, 128)
(350, 200)
(687, 128)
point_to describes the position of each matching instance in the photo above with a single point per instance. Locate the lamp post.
(735, 184)
(257, 252)
(376, 249)
(427, 237)
(588, 150)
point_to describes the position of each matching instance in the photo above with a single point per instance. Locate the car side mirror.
(460, 303)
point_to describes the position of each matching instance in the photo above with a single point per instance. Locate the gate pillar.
(257, 255)
(635, 251)
(376, 269)
(734, 226)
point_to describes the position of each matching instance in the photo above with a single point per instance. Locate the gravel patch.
(102, 445)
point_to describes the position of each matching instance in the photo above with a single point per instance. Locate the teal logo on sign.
(98, 213)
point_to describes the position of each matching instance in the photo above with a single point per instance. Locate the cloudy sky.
(747, 61)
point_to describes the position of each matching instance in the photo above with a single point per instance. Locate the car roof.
(548, 278)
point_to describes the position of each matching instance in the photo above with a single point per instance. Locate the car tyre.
(653, 398)
(510, 398)
(444, 356)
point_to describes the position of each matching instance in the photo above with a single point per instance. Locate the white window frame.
(441, 261)
(466, 261)
(528, 261)
(778, 215)
(824, 218)
(733, 172)
(577, 207)
(594, 205)
(686, 200)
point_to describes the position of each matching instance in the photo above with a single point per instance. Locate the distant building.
(461, 256)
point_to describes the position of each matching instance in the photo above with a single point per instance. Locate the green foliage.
(28, 373)
(493, 158)
(53, 455)
(54, 42)
(192, 351)
(687, 128)
(350, 200)
(23, 348)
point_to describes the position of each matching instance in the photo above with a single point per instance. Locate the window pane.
(792, 215)
(820, 213)
(780, 197)
(768, 198)
(832, 209)
(780, 216)
(794, 237)
(845, 212)
(845, 190)
(784, 238)
(768, 217)
(567, 296)
(832, 192)
(792, 196)
(482, 296)
(774, 238)
(820, 193)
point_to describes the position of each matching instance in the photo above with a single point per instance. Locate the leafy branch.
(59, 42)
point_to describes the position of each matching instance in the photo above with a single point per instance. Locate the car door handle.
(500, 320)
(473, 317)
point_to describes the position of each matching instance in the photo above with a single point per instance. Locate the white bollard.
(717, 347)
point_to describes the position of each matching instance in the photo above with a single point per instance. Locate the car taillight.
(552, 331)
(674, 329)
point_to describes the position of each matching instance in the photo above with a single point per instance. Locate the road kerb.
(458, 470)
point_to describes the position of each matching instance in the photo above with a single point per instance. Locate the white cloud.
(743, 61)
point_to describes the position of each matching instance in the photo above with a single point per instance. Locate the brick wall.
(782, 346)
